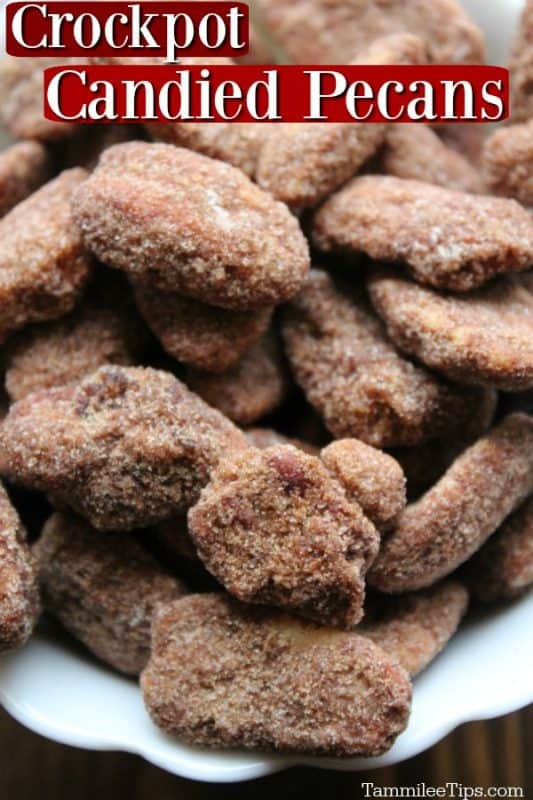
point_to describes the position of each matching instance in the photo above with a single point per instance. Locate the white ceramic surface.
(57, 690)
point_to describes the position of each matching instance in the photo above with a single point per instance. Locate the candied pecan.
(23, 168)
(503, 568)
(21, 98)
(192, 225)
(453, 519)
(103, 330)
(480, 338)
(415, 151)
(521, 67)
(267, 437)
(43, 266)
(302, 163)
(103, 588)
(356, 378)
(202, 336)
(369, 477)
(222, 674)
(126, 447)
(19, 593)
(448, 239)
(274, 528)
(416, 627)
(508, 162)
(326, 32)
(254, 387)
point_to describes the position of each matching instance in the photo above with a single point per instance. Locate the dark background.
(496, 753)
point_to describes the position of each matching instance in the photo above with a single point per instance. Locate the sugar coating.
(433, 536)
(480, 338)
(521, 67)
(23, 168)
(103, 588)
(332, 32)
(354, 376)
(254, 387)
(202, 336)
(226, 675)
(21, 98)
(416, 627)
(191, 224)
(43, 266)
(417, 152)
(503, 568)
(302, 163)
(275, 529)
(267, 437)
(508, 162)
(126, 447)
(369, 477)
(19, 594)
(447, 239)
(104, 329)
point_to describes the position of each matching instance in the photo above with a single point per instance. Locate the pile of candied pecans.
(276, 586)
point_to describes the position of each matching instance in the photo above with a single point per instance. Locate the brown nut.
(433, 536)
(202, 336)
(508, 162)
(192, 225)
(326, 32)
(23, 168)
(416, 627)
(480, 338)
(126, 447)
(275, 529)
(417, 152)
(503, 568)
(370, 477)
(103, 588)
(19, 592)
(356, 379)
(254, 387)
(448, 239)
(521, 67)
(226, 675)
(303, 163)
(43, 265)
(21, 98)
(104, 329)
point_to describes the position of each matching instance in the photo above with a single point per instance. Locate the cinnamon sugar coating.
(453, 519)
(521, 67)
(103, 588)
(104, 329)
(356, 379)
(483, 337)
(19, 593)
(267, 437)
(23, 168)
(326, 32)
(202, 336)
(43, 266)
(192, 225)
(275, 529)
(21, 98)
(126, 447)
(370, 477)
(254, 387)
(508, 162)
(447, 239)
(302, 163)
(274, 682)
(416, 627)
(503, 568)
(417, 152)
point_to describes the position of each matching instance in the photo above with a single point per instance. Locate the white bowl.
(57, 690)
